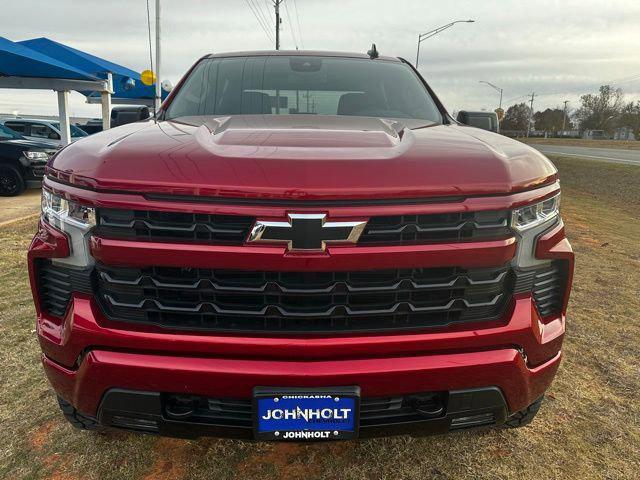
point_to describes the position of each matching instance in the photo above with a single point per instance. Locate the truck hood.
(302, 156)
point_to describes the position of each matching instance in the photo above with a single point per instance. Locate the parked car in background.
(22, 162)
(595, 135)
(92, 126)
(41, 129)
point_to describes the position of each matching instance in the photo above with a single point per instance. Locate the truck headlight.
(73, 219)
(61, 212)
(531, 216)
(31, 155)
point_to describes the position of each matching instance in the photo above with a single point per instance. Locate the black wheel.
(11, 181)
(77, 419)
(524, 417)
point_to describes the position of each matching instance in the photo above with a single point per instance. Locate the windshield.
(285, 85)
(75, 131)
(8, 134)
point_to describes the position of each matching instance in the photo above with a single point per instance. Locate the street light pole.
(435, 31)
(497, 89)
(158, 99)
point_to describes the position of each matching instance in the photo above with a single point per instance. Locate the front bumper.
(382, 366)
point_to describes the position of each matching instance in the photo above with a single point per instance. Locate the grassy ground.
(589, 426)
(21, 206)
(579, 142)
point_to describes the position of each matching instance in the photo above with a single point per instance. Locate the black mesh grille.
(549, 286)
(232, 229)
(231, 300)
(57, 282)
(173, 226)
(444, 227)
(374, 411)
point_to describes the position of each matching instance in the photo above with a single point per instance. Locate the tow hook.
(523, 355)
(428, 405)
(180, 408)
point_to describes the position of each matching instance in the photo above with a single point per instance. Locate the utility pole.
(564, 116)
(276, 4)
(158, 99)
(533, 95)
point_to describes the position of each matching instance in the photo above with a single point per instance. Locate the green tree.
(550, 120)
(516, 117)
(597, 112)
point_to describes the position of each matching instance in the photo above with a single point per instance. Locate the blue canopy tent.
(17, 60)
(24, 68)
(127, 86)
(42, 63)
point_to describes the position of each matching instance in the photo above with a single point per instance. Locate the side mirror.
(124, 115)
(483, 120)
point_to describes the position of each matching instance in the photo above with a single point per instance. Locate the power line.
(627, 79)
(293, 37)
(295, 8)
(263, 16)
(268, 5)
(262, 26)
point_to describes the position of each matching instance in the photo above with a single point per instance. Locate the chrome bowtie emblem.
(310, 232)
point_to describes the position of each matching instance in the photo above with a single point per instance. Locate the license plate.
(306, 414)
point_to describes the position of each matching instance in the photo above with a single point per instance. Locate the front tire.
(75, 418)
(525, 416)
(12, 181)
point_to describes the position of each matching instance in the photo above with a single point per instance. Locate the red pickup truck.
(304, 245)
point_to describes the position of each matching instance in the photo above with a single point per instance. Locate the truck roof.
(307, 53)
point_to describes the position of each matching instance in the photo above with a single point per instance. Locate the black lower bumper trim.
(417, 415)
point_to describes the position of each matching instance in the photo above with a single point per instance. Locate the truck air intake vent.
(56, 283)
(302, 302)
(549, 287)
(547, 283)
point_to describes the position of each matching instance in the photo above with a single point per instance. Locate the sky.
(557, 49)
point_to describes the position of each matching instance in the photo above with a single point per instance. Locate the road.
(613, 155)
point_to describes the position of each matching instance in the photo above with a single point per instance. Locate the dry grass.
(587, 428)
(579, 142)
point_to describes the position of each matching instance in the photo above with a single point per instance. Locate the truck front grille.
(441, 227)
(173, 226)
(234, 229)
(300, 302)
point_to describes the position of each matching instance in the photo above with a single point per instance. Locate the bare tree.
(630, 117)
(597, 112)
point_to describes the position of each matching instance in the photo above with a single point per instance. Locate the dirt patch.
(288, 461)
(58, 465)
(40, 437)
(170, 463)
